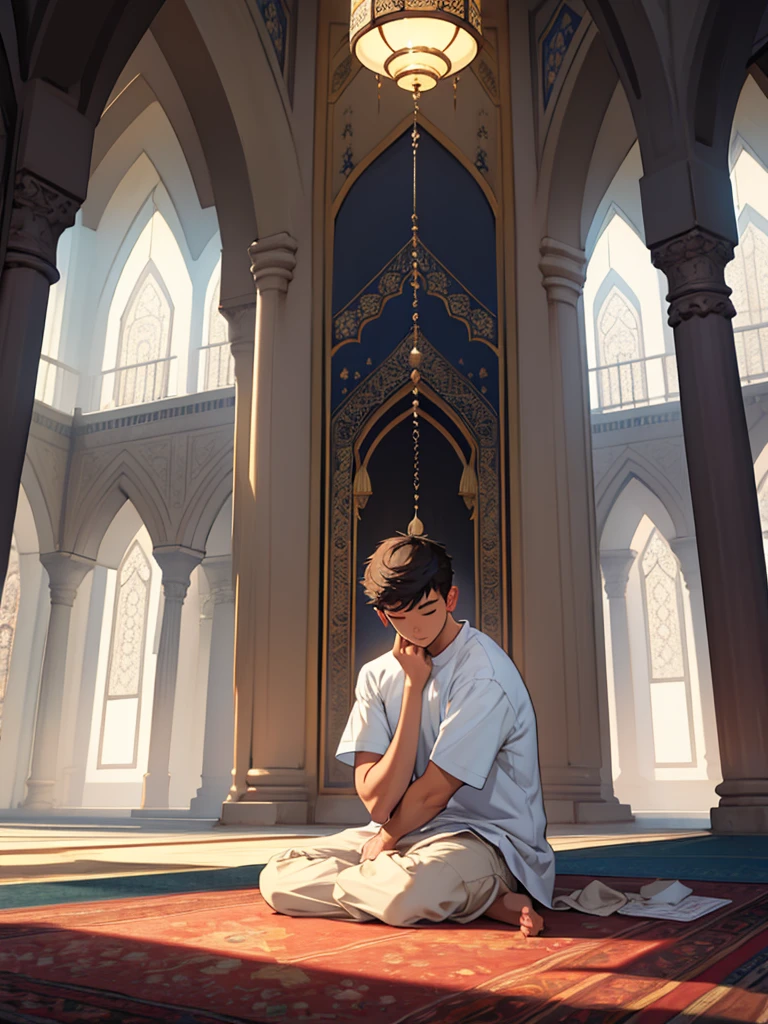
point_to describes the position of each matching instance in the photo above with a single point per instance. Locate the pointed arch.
(632, 466)
(121, 479)
(206, 502)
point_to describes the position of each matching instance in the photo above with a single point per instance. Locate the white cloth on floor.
(599, 899)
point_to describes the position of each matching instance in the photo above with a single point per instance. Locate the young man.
(442, 737)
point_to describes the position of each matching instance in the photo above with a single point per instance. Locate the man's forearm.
(388, 779)
(417, 807)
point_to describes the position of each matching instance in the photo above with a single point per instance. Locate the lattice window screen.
(122, 698)
(620, 341)
(668, 663)
(219, 363)
(145, 337)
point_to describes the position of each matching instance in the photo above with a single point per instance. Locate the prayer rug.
(701, 858)
(226, 956)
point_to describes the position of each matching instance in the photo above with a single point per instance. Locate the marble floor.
(66, 846)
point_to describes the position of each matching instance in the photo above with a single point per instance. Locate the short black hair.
(403, 569)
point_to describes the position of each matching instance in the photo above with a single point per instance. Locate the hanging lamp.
(415, 43)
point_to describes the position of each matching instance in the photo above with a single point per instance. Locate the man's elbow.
(378, 812)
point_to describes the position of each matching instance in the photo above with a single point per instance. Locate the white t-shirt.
(478, 724)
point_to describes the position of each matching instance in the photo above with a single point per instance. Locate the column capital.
(66, 571)
(39, 215)
(242, 327)
(563, 270)
(272, 261)
(686, 551)
(218, 569)
(616, 566)
(177, 564)
(694, 264)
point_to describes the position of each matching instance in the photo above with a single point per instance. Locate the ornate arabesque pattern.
(145, 337)
(482, 424)
(128, 635)
(619, 340)
(554, 48)
(747, 276)
(364, 11)
(276, 21)
(480, 322)
(9, 613)
(661, 578)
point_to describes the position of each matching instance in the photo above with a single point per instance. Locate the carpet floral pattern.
(226, 956)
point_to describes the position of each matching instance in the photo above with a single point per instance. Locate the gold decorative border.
(481, 426)
(436, 278)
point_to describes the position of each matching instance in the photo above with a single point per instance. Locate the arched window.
(143, 359)
(621, 367)
(747, 276)
(9, 613)
(667, 655)
(122, 699)
(219, 363)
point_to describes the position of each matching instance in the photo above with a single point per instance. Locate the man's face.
(422, 624)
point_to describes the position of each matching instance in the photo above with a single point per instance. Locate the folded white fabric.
(599, 899)
(665, 891)
(596, 898)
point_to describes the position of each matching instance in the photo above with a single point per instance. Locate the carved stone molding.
(694, 264)
(616, 566)
(66, 572)
(563, 270)
(40, 213)
(177, 565)
(242, 326)
(272, 261)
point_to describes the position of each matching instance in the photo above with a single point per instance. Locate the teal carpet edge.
(87, 890)
(702, 858)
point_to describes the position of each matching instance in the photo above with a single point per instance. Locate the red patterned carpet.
(227, 957)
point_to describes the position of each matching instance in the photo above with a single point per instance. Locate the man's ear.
(382, 616)
(452, 599)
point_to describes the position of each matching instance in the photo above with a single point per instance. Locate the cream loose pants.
(442, 877)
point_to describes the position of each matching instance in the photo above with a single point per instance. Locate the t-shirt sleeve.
(473, 731)
(367, 726)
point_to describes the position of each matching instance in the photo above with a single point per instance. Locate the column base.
(155, 791)
(40, 795)
(265, 812)
(209, 798)
(585, 812)
(735, 819)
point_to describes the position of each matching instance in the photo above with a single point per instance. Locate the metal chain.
(415, 527)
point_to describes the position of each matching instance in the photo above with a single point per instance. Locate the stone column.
(725, 509)
(616, 566)
(575, 781)
(40, 213)
(176, 564)
(687, 554)
(50, 182)
(242, 333)
(219, 704)
(267, 788)
(65, 574)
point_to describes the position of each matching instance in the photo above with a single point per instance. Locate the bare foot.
(515, 909)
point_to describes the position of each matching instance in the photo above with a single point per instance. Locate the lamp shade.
(415, 42)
